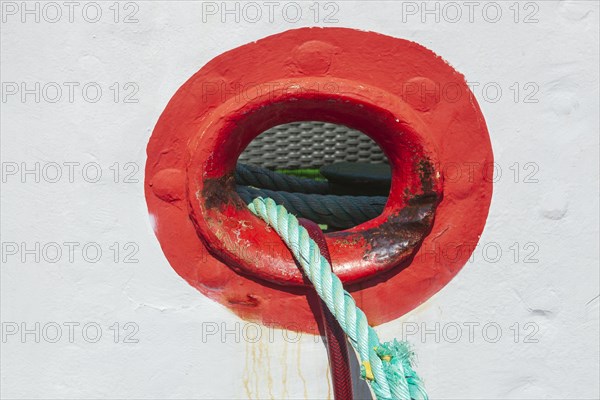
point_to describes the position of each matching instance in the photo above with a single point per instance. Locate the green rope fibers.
(303, 173)
(387, 367)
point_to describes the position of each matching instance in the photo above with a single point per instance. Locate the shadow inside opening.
(336, 176)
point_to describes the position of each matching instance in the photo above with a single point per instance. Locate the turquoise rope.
(387, 367)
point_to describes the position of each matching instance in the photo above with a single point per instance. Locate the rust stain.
(284, 369)
(246, 374)
(401, 234)
(426, 171)
(299, 369)
(269, 376)
(255, 370)
(261, 358)
(218, 192)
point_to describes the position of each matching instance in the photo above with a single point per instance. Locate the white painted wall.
(554, 300)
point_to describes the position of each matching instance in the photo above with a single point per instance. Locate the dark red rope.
(337, 348)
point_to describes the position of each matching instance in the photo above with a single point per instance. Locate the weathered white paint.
(558, 295)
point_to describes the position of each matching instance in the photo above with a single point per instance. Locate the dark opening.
(331, 174)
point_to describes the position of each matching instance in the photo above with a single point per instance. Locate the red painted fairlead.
(409, 100)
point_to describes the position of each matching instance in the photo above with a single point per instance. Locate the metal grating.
(310, 144)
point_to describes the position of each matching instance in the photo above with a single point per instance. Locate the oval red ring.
(329, 74)
(244, 242)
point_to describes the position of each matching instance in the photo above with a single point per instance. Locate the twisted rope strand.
(338, 211)
(251, 175)
(386, 366)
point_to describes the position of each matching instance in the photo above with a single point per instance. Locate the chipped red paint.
(417, 107)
